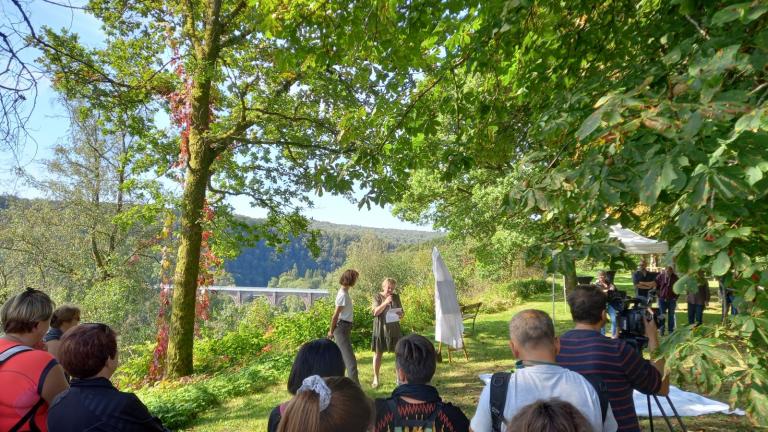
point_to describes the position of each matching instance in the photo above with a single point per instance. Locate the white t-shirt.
(533, 383)
(344, 300)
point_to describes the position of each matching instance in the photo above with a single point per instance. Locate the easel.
(450, 360)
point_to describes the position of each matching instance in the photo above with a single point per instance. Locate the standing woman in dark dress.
(385, 335)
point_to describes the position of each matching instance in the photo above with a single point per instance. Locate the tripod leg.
(663, 414)
(650, 411)
(677, 416)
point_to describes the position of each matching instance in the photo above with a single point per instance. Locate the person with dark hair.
(551, 415)
(698, 300)
(665, 282)
(608, 287)
(341, 322)
(385, 334)
(414, 404)
(618, 364)
(64, 318)
(643, 280)
(88, 352)
(333, 404)
(318, 357)
(30, 378)
(534, 344)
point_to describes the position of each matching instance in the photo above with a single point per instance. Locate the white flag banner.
(448, 323)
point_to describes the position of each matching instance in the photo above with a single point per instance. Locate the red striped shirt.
(620, 366)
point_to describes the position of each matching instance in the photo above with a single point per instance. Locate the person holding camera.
(615, 361)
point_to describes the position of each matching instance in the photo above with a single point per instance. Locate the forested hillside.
(257, 265)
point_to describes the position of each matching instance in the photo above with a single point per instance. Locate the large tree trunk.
(570, 276)
(179, 360)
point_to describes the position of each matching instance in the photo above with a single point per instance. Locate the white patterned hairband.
(316, 384)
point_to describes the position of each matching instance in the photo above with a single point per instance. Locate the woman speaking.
(387, 312)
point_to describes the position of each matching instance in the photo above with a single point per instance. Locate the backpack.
(500, 382)
(30, 415)
(400, 424)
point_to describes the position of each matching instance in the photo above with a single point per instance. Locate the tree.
(645, 114)
(271, 99)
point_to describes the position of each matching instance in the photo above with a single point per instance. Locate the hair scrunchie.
(316, 384)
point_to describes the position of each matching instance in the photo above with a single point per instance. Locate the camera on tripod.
(630, 313)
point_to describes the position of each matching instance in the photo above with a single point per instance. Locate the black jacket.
(95, 405)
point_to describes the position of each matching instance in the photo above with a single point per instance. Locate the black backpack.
(426, 424)
(500, 382)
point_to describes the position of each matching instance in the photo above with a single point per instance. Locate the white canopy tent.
(636, 244)
(632, 242)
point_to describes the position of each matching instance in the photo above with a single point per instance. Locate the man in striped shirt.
(620, 366)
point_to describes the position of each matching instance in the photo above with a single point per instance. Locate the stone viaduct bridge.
(273, 295)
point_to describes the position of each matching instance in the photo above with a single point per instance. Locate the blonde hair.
(64, 314)
(22, 312)
(350, 410)
(389, 281)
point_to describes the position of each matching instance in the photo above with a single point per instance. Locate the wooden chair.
(469, 312)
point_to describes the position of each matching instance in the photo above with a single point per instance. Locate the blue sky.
(48, 126)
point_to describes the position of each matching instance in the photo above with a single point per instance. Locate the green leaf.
(590, 124)
(750, 121)
(721, 264)
(651, 186)
(753, 175)
(692, 127)
(728, 14)
(686, 284)
(668, 175)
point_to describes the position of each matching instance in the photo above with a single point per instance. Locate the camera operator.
(620, 366)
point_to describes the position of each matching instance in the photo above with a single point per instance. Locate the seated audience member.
(64, 318)
(320, 357)
(88, 353)
(30, 378)
(553, 415)
(414, 404)
(620, 366)
(537, 376)
(698, 300)
(665, 282)
(334, 404)
(643, 280)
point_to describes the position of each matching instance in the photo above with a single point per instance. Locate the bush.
(499, 297)
(528, 288)
(419, 306)
(134, 365)
(215, 354)
(178, 403)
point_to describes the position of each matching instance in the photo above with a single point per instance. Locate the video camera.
(630, 313)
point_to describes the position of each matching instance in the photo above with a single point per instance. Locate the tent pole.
(553, 297)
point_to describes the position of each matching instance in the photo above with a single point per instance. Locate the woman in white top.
(341, 322)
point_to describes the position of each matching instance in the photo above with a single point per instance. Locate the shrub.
(178, 403)
(134, 365)
(499, 297)
(214, 354)
(528, 288)
(419, 306)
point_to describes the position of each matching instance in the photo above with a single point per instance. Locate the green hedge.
(177, 404)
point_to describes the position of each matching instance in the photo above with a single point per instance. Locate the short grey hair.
(532, 328)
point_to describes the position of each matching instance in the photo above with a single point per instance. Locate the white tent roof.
(636, 244)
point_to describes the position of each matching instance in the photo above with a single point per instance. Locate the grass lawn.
(458, 382)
